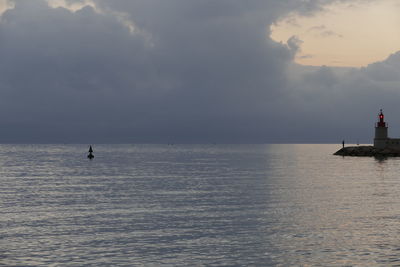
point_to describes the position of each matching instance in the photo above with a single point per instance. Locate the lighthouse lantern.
(381, 122)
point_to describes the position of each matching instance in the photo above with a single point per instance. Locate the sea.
(197, 205)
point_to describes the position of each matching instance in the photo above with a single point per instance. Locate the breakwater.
(368, 151)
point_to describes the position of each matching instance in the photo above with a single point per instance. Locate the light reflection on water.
(183, 205)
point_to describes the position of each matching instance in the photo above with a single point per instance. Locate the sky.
(344, 34)
(188, 71)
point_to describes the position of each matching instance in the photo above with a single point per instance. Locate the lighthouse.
(384, 146)
(381, 132)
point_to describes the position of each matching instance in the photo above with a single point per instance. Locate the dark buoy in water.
(90, 155)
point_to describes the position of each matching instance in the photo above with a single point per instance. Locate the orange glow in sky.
(354, 34)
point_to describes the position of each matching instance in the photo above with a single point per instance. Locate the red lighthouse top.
(381, 122)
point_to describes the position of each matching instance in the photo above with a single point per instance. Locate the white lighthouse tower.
(381, 132)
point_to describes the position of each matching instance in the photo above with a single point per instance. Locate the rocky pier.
(368, 151)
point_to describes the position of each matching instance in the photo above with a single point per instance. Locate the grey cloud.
(330, 33)
(387, 70)
(294, 43)
(317, 28)
(323, 31)
(194, 71)
(306, 56)
(82, 72)
(333, 103)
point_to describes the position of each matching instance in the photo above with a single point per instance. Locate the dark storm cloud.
(63, 73)
(329, 103)
(189, 71)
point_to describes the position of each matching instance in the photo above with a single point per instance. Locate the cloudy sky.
(198, 71)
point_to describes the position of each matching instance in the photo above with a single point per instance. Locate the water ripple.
(216, 205)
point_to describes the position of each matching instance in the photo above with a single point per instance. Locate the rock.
(368, 151)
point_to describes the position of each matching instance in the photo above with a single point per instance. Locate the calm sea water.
(183, 205)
